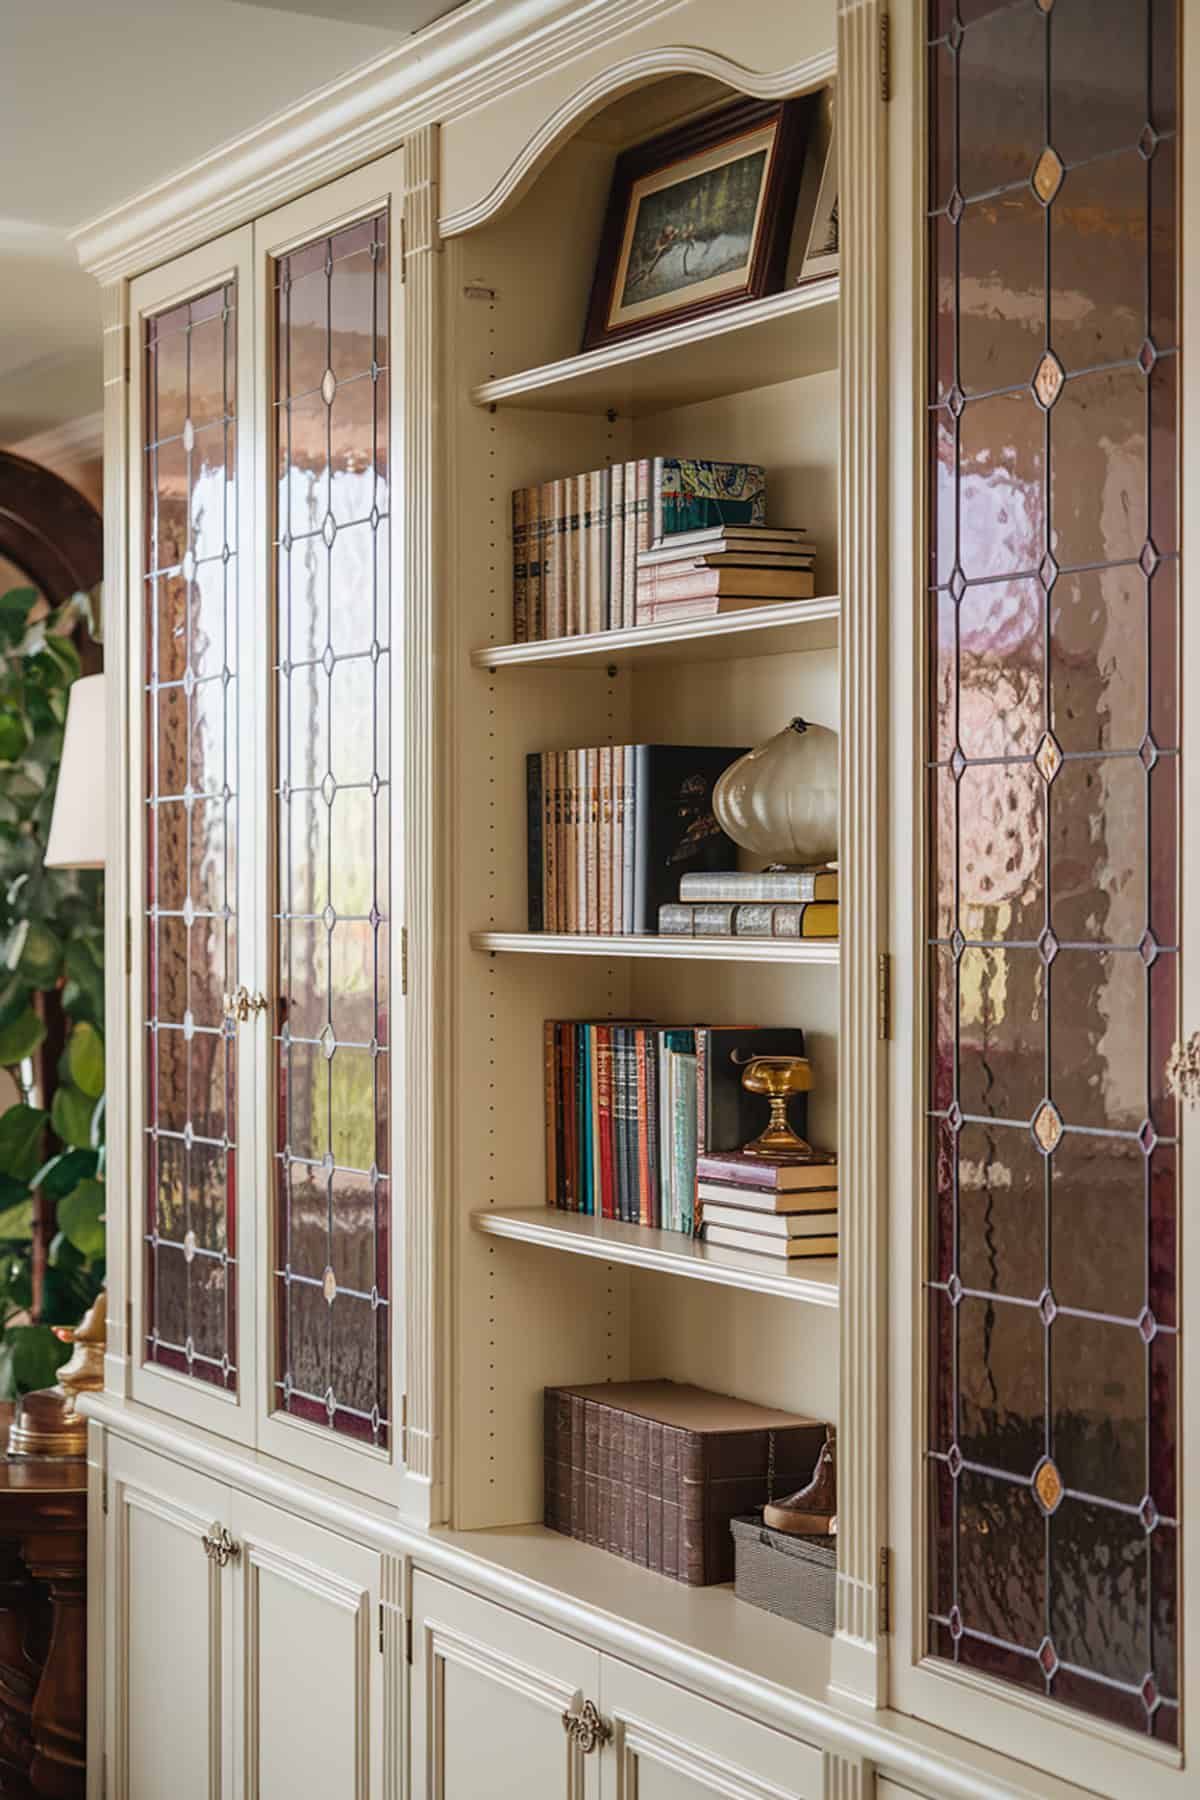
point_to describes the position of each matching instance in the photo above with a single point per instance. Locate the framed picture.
(699, 218)
(821, 251)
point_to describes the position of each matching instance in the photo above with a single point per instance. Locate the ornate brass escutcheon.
(1183, 1070)
(241, 1003)
(219, 1547)
(585, 1728)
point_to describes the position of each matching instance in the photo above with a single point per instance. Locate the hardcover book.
(689, 493)
(738, 1169)
(675, 1464)
(757, 1243)
(773, 885)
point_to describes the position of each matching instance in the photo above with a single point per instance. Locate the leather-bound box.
(678, 1464)
(795, 1577)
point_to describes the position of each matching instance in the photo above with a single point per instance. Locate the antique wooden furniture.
(43, 1597)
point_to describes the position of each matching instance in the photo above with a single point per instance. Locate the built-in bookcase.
(539, 1301)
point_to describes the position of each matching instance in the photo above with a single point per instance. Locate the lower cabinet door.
(668, 1744)
(308, 1663)
(489, 1691)
(168, 1630)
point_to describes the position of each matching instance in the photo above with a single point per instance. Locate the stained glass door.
(192, 810)
(1050, 1293)
(328, 313)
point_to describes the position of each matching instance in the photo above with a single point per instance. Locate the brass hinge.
(381, 1628)
(404, 959)
(883, 995)
(885, 1590)
(885, 57)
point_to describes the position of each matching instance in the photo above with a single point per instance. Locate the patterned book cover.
(689, 493)
(675, 829)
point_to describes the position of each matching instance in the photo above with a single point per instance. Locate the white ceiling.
(100, 99)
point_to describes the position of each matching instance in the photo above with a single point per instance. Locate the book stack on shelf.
(611, 828)
(723, 569)
(781, 903)
(577, 539)
(632, 1107)
(784, 1210)
(654, 1471)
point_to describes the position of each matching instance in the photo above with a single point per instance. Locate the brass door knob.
(242, 1003)
(1183, 1070)
(585, 1728)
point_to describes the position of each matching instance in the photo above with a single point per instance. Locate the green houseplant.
(51, 1006)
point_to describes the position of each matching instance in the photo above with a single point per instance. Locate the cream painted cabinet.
(503, 1709)
(168, 1632)
(244, 1643)
(667, 1744)
(489, 1691)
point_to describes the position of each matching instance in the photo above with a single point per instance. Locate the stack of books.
(612, 828)
(654, 1470)
(577, 539)
(783, 1210)
(722, 569)
(631, 1107)
(782, 903)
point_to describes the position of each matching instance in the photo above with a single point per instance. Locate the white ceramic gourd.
(781, 800)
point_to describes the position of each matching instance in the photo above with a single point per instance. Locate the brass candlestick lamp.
(778, 1078)
(46, 1423)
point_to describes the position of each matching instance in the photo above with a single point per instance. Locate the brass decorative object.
(585, 1728)
(778, 1078)
(46, 1423)
(219, 1547)
(812, 1510)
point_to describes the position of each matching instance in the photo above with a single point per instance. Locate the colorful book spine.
(535, 769)
(614, 611)
(520, 564)
(533, 565)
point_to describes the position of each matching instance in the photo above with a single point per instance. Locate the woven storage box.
(793, 1576)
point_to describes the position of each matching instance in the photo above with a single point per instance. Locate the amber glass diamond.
(1047, 382)
(1047, 176)
(1047, 1485)
(1047, 1126)
(1048, 758)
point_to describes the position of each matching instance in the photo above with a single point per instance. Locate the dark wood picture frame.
(769, 251)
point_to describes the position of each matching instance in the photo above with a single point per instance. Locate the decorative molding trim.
(78, 440)
(844, 1778)
(633, 72)
(392, 1615)
(424, 821)
(455, 66)
(860, 1664)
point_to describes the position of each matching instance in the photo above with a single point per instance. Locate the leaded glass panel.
(332, 1166)
(191, 828)
(1053, 824)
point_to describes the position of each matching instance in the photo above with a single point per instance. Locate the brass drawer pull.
(585, 1728)
(242, 1003)
(219, 1547)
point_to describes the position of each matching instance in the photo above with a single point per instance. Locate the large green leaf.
(14, 735)
(30, 1358)
(15, 608)
(85, 1059)
(87, 973)
(63, 1173)
(81, 1217)
(21, 1130)
(21, 1036)
(71, 1115)
(16, 1222)
(38, 954)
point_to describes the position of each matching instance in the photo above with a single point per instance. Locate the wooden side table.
(43, 1625)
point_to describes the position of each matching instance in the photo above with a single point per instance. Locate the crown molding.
(454, 66)
(648, 65)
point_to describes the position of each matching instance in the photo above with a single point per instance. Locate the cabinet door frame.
(343, 1574)
(193, 1504)
(376, 187)
(1073, 1746)
(197, 1402)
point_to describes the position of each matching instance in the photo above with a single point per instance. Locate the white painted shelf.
(780, 626)
(813, 1281)
(751, 346)
(822, 951)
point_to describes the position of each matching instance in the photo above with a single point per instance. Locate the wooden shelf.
(668, 1252)
(822, 951)
(755, 345)
(781, 626)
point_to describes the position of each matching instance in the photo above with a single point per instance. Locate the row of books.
(612, 828)
(576, 539)
(781, 1210)
(814, 919)
(653, 1471)
(631, 1107)
(728, 568)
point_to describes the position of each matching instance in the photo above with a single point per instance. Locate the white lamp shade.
(79, 824)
